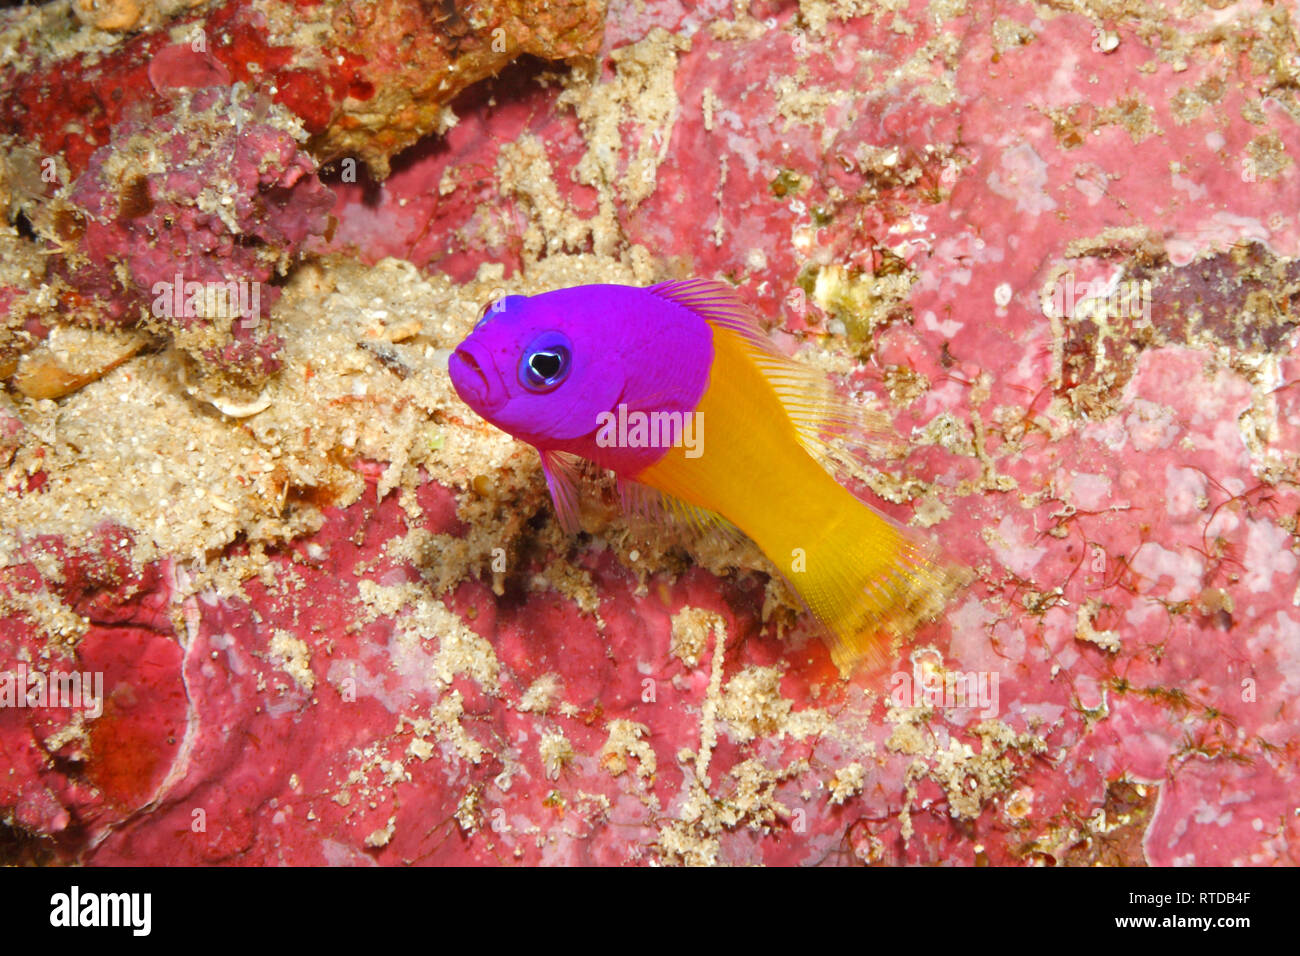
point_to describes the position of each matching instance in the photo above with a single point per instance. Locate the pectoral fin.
(561, 470)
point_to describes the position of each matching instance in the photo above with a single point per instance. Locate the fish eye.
(545, 363)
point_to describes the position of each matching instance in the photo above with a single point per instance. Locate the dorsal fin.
(827, 427)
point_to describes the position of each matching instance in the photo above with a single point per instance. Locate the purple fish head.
(547, 368)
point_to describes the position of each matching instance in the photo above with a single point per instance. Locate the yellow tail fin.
(870, 583)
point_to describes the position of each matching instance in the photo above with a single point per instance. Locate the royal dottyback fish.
(677, 391)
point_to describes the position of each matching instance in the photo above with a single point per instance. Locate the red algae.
(215, 191)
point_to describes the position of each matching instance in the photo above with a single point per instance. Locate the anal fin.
(660, 508)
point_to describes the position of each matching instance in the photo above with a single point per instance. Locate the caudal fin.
(871, 584)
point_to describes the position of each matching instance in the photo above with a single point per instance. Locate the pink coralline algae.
(210, 196)
(1055, 246)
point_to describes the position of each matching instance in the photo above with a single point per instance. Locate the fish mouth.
(470, 378)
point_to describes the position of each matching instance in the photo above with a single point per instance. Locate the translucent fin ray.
(827, 427)
(562, 474)
(657, 507)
